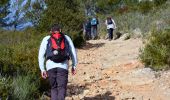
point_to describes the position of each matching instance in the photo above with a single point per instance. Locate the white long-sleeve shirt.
(50, 64)
(113, 25)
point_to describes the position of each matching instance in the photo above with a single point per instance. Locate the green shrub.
(19, 52)
(5, 87)
(19, 56)
(78, 39)
(156, 53)
(159, 2)
(25, 88)
(145, 6)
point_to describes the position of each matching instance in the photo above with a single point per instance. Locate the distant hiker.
(87, 29)
(56, 51)
(94, 23)
(111, 26)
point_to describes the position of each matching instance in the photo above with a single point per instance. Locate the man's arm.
(114, 24)
(41, 57)
(73, 54)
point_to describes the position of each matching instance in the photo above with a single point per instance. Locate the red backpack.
(57, 48)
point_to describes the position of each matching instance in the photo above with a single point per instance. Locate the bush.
(5, 87)
(78, 39)
(156, 53)
(25, 88)
(159, 2)
(19, 52)
(145, 6)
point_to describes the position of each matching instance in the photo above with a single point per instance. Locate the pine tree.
(64, 12)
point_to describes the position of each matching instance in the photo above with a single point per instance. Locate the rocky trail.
(111, 70)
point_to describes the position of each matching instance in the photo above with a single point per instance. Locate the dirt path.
(111, 70)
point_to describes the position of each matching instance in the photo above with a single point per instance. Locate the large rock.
(125, 36)
(137, 33)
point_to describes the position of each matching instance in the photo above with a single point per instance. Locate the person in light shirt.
(111, 26)
(57, 72)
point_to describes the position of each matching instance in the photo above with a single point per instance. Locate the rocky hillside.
(111, 70)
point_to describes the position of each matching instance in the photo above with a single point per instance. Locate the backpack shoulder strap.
(65, 38)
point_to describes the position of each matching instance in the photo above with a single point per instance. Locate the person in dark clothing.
(57, 72)
(94, 23)
(87, 29)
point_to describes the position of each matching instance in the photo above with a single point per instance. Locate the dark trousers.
(94, 31)
(88, 33)
(58, 79)
(110, 33)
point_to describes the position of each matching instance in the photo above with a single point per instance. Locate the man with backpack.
(94, 23)
(111, 26)
(56, 50)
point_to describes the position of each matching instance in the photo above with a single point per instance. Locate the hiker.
(87, 29)
(111, 26)
(94, 23)
(56, 49)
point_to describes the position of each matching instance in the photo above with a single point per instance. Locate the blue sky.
(17, 6)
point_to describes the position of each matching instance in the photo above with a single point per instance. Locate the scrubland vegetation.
(19, 72)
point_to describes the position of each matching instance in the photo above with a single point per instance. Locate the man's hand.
(44, 74)
(73, 71)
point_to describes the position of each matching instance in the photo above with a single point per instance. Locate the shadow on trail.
(105, 96)
(90, 45)
(79, 89)
(71, 90)
(76, 89)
